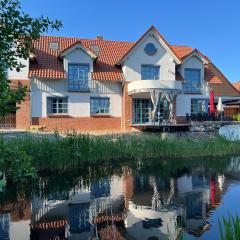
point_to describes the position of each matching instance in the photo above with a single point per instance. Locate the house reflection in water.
(85, 212)
(4, 226)
(128, 207)
(15, 220)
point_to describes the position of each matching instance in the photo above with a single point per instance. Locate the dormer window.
(95, 49)
(53, 46)
(193, 80)
(78, 77)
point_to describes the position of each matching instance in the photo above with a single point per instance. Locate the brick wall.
(181, 120)
(23, 113)
(81, 124)
(231, 111)
(127, 109)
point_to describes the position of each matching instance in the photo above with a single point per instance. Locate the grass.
(57, 153)
(230, 228)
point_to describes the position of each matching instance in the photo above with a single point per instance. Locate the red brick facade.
(23, 113)
(82, 124)
(126, 109)
(181, 120)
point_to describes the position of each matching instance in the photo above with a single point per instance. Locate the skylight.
(95, 49)
(53, 45)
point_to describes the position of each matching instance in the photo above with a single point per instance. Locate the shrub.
(15, 163)
(236, 117)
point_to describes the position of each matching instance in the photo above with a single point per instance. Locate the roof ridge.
(86, 39)
(106, 40)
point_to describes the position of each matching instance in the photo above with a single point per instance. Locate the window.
(78, 77)
(150, 49)
(99, 106)
(141, 109)
(53, 46)
(193, 81)
(199, 105)
(150, 72)
(57, 105)
(95, 49)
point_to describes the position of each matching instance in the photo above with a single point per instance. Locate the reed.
(229, 228)
(59, 153)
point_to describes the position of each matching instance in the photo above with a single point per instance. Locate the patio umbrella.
(212, 108)
(220, 105)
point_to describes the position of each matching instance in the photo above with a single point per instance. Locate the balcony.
(141, 86)
(198, 88)
(82, 84)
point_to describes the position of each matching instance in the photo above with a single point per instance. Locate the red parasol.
(212, 108)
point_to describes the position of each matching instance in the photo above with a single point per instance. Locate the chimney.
(99, 38)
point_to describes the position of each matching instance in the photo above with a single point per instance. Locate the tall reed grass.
(58, 153)
(230, 228)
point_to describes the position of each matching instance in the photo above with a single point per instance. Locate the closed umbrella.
(220, 106)
(212, 108)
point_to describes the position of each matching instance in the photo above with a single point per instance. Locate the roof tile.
(49, 64)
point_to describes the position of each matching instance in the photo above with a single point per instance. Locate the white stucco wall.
(79, 102)
(22, 74)
(183, 103)
(132, 65)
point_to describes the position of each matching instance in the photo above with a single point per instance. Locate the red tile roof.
(237, 85)
(182, 51)
(49, 64)
(210, 76)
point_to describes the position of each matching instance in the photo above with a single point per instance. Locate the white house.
(97, 84)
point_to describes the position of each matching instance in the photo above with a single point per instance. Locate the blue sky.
(212, 26)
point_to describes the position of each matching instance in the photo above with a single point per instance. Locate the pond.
(175, 199)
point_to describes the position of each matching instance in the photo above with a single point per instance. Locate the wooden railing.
(8, 121)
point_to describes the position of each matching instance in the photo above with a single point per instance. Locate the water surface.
(177, 199)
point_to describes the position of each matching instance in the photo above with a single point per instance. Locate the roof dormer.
(77, 46)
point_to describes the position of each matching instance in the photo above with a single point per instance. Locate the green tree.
(18, 31)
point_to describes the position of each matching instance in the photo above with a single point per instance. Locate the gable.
(152, 32)
(163, 58)
(78, 46)
(77, 56)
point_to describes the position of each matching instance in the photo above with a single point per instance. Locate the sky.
(211, 26)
